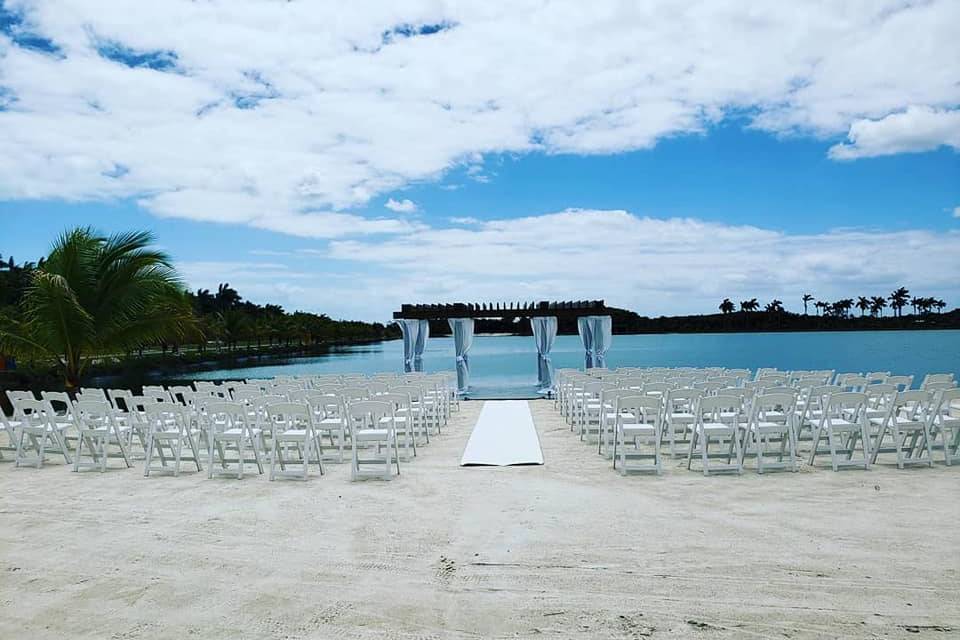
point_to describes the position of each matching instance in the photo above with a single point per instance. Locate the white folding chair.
(99, 430)
(717, 418)
(905, 418)
(38, 425)
(679, 415)
(843, 422)
(226, 424)
(638, 422)
(376, 438)
(328, 419)
(169, 425)
(292, 424)
(400, 421)
(772, 421)
(944, 424)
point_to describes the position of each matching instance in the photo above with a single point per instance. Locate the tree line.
(897, 301)
(95, 298)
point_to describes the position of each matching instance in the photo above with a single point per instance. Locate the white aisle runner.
(504, 435)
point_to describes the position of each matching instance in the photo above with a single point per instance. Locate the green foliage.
(94, 296)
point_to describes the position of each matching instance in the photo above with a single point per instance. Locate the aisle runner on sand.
(504, 435)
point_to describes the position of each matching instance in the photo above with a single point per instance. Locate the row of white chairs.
(262, 418)
(629, 414)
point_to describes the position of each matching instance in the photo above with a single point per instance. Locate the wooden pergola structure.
(571, 309)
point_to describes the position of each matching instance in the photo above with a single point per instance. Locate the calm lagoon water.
(505, 366)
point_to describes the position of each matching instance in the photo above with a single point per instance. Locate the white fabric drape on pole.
(544, 333)
(410, 330)
(420, 344)
(602, 334)
(585, 329)
(462, 339)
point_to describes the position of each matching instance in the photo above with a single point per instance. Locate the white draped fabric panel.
(420, 344)
(602, 331)
(410, 330)
(462, 339)
(585, 329)
(544, 333)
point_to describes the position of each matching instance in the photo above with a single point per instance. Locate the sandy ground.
(569, 549)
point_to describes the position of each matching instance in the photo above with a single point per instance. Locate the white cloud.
(956, 212)
(402, 206)
(285, 115)
(916, 129)
(652, 265)
(464, 220)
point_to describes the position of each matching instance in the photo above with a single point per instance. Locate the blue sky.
(324, 166)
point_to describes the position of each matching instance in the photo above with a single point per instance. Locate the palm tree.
(234, 326)
(226, 298)
(842, 307)
(749, 305)
(939, 304)
(898, 300)
(727, 306)
(97, 296)
(806, 298)
(821, 306)
(877, 305)
(863, 303)
(774, 306)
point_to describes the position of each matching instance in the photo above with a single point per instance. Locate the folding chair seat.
(228, 424)
(38, 426)
(98, 429)
(944, 424)
(772, 421)
(711, 424)
(843, 423)
(638, 422)
(373, 440)
(169, 425)
(906, 420)
(292, 424)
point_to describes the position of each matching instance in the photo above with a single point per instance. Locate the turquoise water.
(505, 366)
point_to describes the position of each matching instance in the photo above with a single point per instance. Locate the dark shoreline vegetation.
(112, 309)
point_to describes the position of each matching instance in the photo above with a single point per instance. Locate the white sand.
(568, 549)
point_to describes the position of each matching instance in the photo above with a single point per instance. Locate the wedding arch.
(594, 325)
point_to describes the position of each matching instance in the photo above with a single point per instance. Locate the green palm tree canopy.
(95, 296)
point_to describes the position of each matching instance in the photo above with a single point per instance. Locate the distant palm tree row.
(898, 300)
